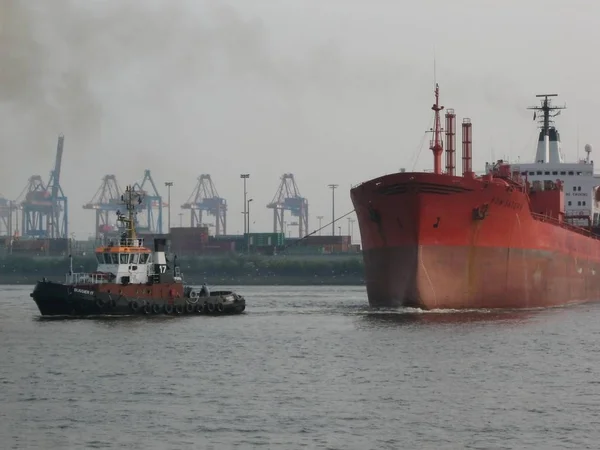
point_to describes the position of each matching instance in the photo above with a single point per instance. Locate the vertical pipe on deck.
(450, 142)
(466, 147)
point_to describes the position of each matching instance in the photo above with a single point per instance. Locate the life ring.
(147, 308)
(156, 308)
(193, 293)
(134, 305)
(100, 303)
(220, 307)
(210, 307)
(189, 308)
(168, 308)
(178, 309)
(200, 308)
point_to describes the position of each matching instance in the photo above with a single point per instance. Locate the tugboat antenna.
(129, 199)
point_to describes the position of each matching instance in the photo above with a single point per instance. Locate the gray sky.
(334, 91)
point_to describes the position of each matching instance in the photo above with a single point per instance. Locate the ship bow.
(53, 299)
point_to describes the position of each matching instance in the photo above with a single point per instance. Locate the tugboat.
(131, 280)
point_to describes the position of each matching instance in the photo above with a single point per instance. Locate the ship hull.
(450, 277)
(58, 299)
(428, 243)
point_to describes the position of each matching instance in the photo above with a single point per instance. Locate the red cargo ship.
(501, 240)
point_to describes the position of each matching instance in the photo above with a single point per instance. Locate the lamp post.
(248, 228)
(245, 176)
(350, 228)
(320, 219)
(168, 184)
(180, 220)
(332, 187)
(248, 212)
(340, 230)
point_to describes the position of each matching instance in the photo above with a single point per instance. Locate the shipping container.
(227, 237)
(325, 240)
(189, 231)
(220, 247)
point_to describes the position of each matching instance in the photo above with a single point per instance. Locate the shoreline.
(250, 270)
(30, 280)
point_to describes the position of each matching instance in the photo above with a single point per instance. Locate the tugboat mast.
(129, 199)
(436, 143)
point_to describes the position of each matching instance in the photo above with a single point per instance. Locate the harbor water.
(302, 368)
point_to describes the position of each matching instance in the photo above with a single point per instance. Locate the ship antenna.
(578, 142)
(131, 234)
(547, 110)
(434, 69)
(436, 142)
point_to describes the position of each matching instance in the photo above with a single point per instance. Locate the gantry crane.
(106, 202)
(206, 198)
(7, 217)
(288, 198)
(149, 219)
(44, 207)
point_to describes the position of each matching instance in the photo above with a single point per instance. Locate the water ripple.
(305, 368)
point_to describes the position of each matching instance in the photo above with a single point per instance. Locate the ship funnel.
(549, 149)
(160, 260)
(450, 142)
(466, 147)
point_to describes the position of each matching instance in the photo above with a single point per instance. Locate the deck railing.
(86, 278)
(137, 242)
(565, 225)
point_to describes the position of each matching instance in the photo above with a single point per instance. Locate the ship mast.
(547, 108)
(436, 143)
(129, 199)
(548, 133)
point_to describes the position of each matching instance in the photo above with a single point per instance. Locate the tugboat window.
(578, 188)
(563, 172)
(554, 172)
(143, 258)
(100, 257)
(114, 258)
(107, 258)
(131, 258)
(574, 188)
(569, 202)
(124, 258)
(135, 258)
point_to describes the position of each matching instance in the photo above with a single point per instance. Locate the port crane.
(150, 219)
(205, 198)
(45, 207)
(288, 198)
(106, 202)
(7, 217)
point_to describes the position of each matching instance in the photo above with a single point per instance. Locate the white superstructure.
(580, 183)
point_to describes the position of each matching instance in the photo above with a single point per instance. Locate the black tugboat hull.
(58, 299)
